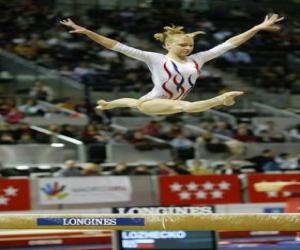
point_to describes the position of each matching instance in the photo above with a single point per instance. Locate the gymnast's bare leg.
(118, 103)
(167, 107)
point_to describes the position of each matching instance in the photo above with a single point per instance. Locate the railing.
(152, 138)
(275, 111)
(81, 150)
(201, 130)
(26, 72)
(31, 154)
(224, 116)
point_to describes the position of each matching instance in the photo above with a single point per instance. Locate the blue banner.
(90, 221)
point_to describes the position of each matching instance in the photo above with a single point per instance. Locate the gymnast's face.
(180, 45)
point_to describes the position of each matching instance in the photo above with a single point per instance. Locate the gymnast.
(175, 73)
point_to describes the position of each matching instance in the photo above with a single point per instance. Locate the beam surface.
(219, 222)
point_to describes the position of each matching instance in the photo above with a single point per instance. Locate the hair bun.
(174, 29)
(160, 37)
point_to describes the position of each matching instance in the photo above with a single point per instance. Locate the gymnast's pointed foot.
(103, 105)
(227, 99)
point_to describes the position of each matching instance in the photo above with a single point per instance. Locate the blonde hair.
(171, 31)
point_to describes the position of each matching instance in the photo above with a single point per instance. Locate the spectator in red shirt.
(152, 128)
(139, 138)
(243, 135)
(14, 116)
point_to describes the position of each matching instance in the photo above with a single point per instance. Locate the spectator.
(91, 169)
(26, 139)
(265, 161)
(70, 169)
(138, 137)
(153, 128)
(68, 130)
(66, 103)
(108, 55)
(181, 142)
(269, 126)
(237, 58)
(164, 169)
(53, 112)
(184, 147)
(172, 132)
(197, 167)
(54, 128)
(295, 85)
(222, 35)
(7, 138)
(140, 170)
(24, 128)
(211, 143)
(14, 116)
(47, 61)
(120, 169)
(181, 168)
(118, 138)
(5, 128)
(243, 135)
(235, 149)
(286, 162)
(294, 133)
(31, 108)
(65, 70)
(227, 168)
(5, 106)
(91, 134)
(83, 72)
(263, 136)
(222, 128)
(206, 125)
(278, 137)
(41, 92)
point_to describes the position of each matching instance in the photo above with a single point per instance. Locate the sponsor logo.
(54, 190)
(90, 221)
(273, 209)
(166, 210)
(154, 234)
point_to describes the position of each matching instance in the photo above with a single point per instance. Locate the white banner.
(80, 190)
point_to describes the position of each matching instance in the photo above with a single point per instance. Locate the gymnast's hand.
(77, 29)
(269, 24)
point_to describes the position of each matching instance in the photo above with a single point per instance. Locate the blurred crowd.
(182, 143)
(37, 36)
(41, 39)
(269, 61)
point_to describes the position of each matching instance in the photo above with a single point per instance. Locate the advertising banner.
(80, 190)
(255, 196)
(14, 195)
(189, 189)
(165, 240)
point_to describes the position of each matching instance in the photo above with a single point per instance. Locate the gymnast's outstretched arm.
(102, 40)
(111, 44)
(269, 24)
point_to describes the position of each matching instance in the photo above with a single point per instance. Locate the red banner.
(195, 190)
(14, 195)
(255, 196)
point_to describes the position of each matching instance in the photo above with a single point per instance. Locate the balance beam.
(193, 222)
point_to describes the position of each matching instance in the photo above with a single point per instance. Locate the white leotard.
(172, 80)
